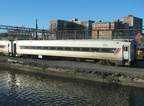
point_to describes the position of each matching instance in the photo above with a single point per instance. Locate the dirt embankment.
(81, 70)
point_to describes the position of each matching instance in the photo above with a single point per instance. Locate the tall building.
(71, 29)
(87, 27)
(86, 23)
(134, 23)
(65, 25)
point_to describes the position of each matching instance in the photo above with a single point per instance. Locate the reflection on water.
(17, 88)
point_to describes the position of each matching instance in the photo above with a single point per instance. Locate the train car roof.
(83, 40)
(84, 43)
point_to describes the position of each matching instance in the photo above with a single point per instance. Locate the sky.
(23, 13)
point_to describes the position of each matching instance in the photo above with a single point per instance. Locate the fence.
(73, 34)
(94, 34)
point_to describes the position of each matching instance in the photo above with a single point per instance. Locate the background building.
(134, 23)
(108, 30)
(72, 29)
(87, 27)
(128, 28)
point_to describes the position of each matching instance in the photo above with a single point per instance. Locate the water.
(29, 89)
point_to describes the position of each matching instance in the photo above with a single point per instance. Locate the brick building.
(88, 29)
(107, 30)
(134, 23)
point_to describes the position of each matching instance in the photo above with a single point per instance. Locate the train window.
(2, 46)
(52, 48)
(112, 50)
(68, 48)
(95, 49)
(76, 49)
(59, 48)
(85, 49)
(125, 48)
(32, 47)
(105, 50)
(22, 47)
(27, 47)
(38, 47)
(45, 48)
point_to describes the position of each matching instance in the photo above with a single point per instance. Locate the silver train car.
(103, 51)
(6, 47)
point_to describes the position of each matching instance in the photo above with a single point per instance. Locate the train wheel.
(110, 63)
(80, 59)
(96, 61)
(103, 62)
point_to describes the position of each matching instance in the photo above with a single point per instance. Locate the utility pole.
(36, 30)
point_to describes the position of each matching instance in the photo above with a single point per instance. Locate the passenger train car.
(6, 47)
(104, 51)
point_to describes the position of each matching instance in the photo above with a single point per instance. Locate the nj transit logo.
(117, 51)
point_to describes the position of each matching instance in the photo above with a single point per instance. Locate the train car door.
(134, 52)
(10, 49)
(14, 49)
(125, 52)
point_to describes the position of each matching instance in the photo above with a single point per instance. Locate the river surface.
(28, 89)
